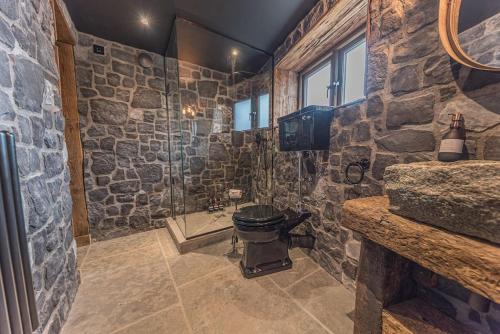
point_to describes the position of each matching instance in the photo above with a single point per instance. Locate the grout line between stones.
(206, 275)
(303, 308)
(114, 255)
(304, 277)
(174, 284)
(145, 317)
(84, 260)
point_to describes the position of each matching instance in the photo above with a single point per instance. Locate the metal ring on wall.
(363, 165)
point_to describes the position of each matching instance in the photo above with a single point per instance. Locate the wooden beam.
(63, 32)
(65, 57)
(473, 263)
(73, 141)
(384, 278)
(343, 19)
(415, 316)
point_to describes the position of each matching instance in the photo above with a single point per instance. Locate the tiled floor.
(140, 284)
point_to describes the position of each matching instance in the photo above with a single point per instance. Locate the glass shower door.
(176, 142)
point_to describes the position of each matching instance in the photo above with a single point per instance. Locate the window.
(252, 113)
(315, 85)
(337, 79)
(243, 115)
(263, 111)
(353, 71)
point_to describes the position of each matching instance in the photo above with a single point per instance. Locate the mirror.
(479, 30)
(470, 32)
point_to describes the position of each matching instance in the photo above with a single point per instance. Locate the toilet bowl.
(265, 232)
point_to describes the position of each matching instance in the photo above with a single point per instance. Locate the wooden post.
(66, 60)
(384, 278)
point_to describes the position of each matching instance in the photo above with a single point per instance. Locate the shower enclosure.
(219, 100)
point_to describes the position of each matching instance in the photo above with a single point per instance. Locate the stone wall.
(412, 86)
(215, 158)
(124, 130)
(28, 73)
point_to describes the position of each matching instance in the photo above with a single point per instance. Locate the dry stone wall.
(412, 86)
(28, 75)
(124, 129)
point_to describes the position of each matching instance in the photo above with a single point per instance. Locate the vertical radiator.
(17, 299)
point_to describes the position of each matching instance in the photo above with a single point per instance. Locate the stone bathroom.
(285, 166)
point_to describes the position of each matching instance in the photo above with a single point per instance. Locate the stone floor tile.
(81, 253)
(108, 266)
(111, 299)
(128, 287)
(120, 245)
(297, 253)
(170, 321)
(199, 262)
(301, 267)
(326, 299)
(226, 302)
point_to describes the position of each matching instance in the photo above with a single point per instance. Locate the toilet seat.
(258, 216)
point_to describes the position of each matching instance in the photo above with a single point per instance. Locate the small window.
(316, 85)
(243, 115)
(353, 71)
(339, 78)
(263, 111)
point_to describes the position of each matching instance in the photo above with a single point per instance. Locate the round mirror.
(479, 31)
(470, 32)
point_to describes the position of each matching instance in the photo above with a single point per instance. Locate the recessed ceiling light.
(234, 52)
(144, 21)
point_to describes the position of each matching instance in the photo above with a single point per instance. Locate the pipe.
(295, 220)
(23, 239)
(13, 212)
(303, 241)
(300, 180)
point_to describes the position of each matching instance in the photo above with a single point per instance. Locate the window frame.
(337, 67)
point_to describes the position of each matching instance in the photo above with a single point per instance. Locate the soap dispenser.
(452, 144)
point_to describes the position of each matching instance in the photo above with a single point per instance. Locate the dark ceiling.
(198, 45)
(261, 23)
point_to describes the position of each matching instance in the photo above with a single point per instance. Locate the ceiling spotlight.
(234, 52)
(144, 21)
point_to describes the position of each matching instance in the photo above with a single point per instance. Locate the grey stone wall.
(412, 86)
(215, 158)
(28, 74)
(123, 123)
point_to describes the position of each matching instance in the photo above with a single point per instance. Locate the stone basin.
(462, 197)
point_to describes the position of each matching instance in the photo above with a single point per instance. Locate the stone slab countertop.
(462, 197)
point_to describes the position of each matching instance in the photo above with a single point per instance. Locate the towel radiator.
(17, 299)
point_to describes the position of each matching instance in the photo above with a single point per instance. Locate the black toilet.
(265, 232)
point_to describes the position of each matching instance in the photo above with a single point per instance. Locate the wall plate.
(98, 49)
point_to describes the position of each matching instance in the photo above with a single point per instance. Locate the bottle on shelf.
(211, 206)
(220, 206)
(452, 145)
